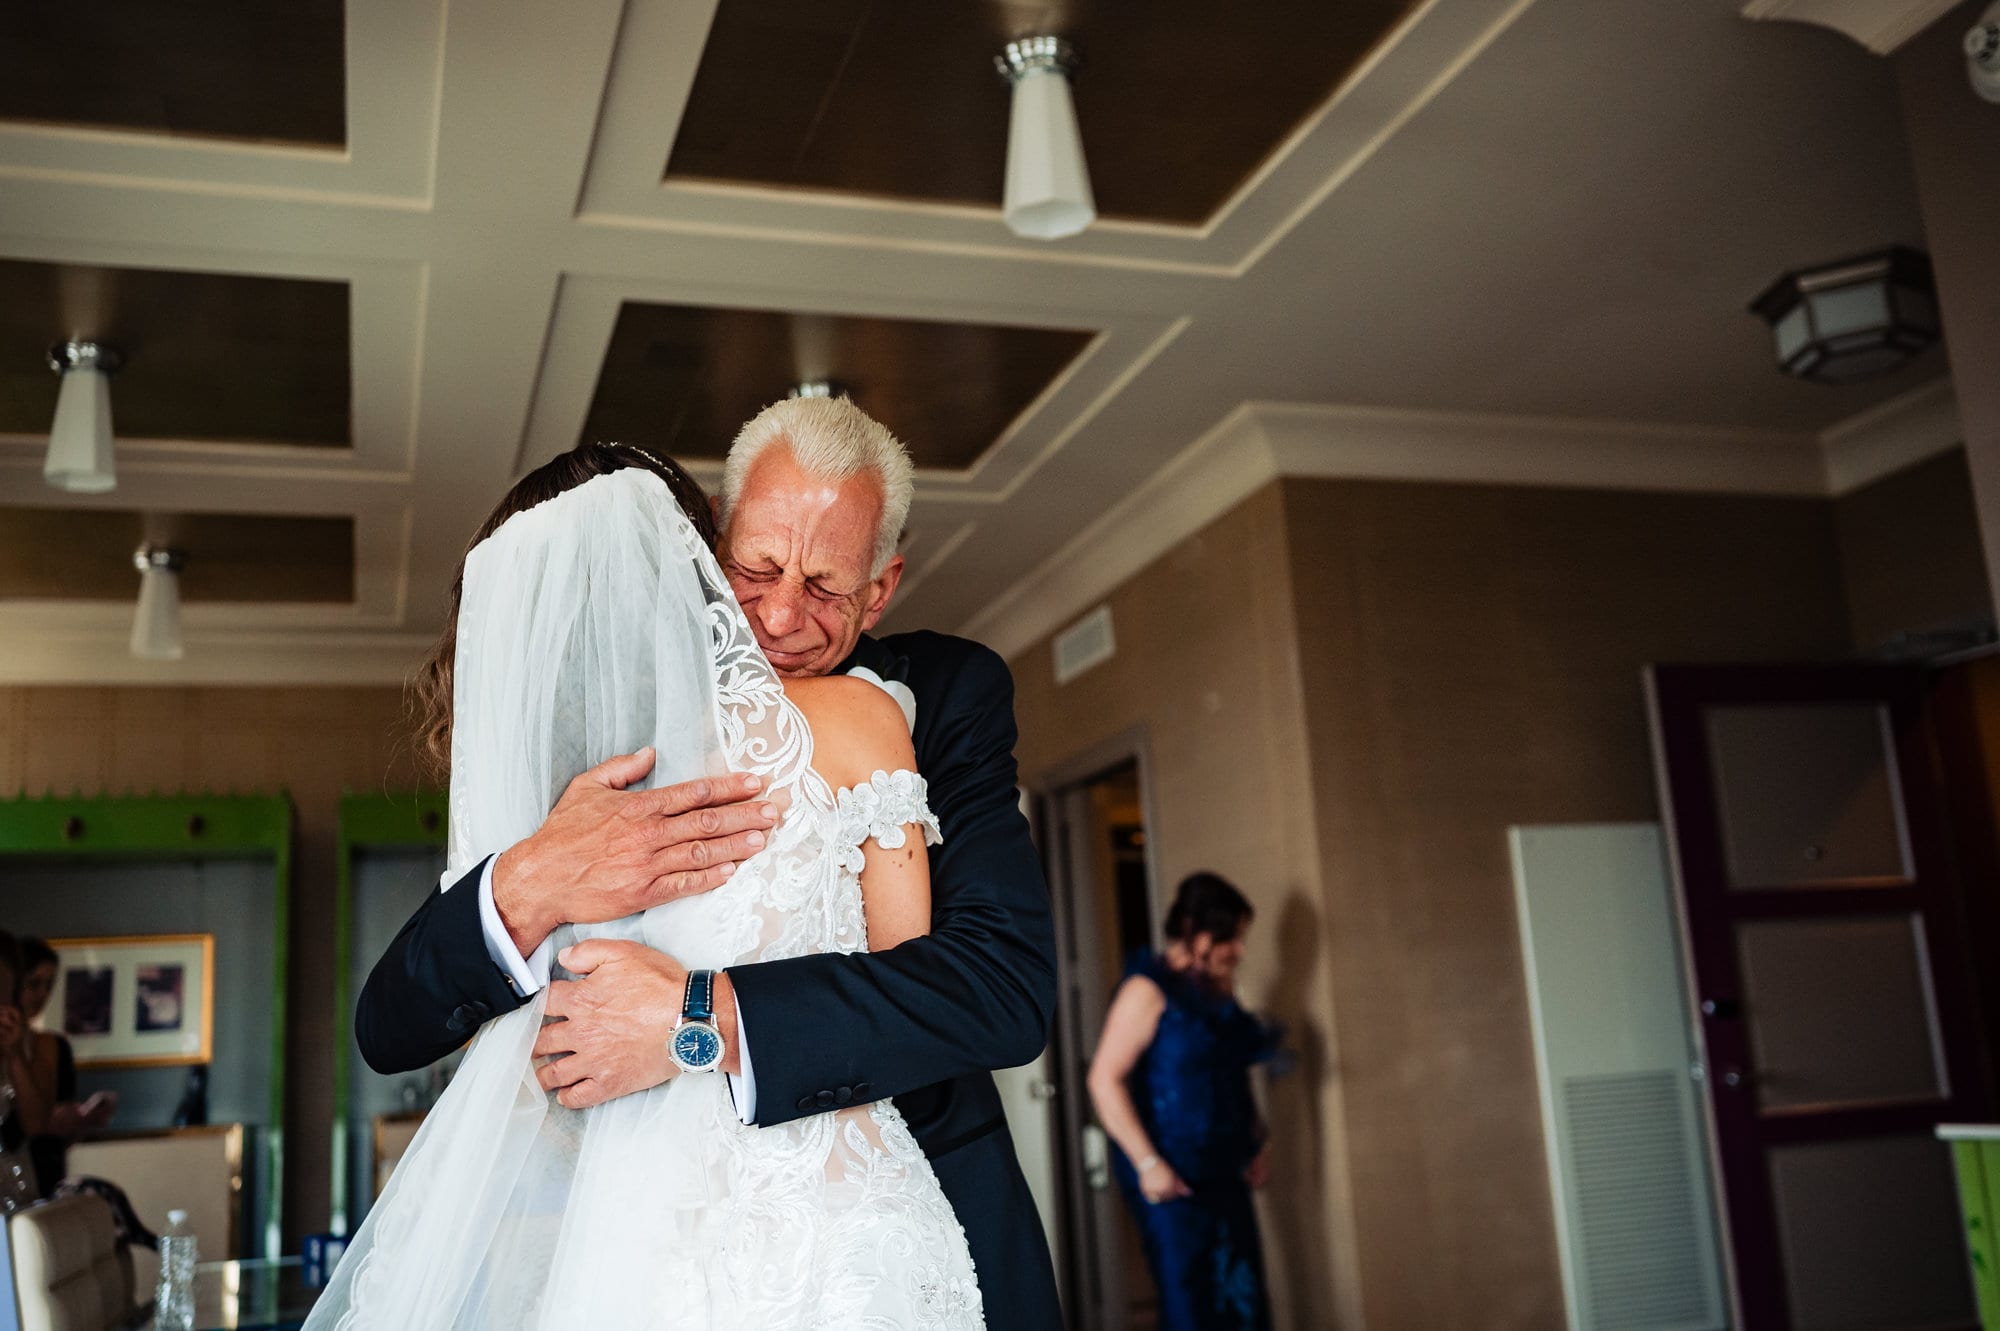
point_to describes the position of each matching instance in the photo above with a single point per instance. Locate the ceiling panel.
(683, 379)
(1179, 100)
(245, 69)
(207, 355)
(86, 555)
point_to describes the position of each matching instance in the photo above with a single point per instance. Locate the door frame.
(1079, 1260)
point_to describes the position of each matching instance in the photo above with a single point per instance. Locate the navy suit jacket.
(925, 1022)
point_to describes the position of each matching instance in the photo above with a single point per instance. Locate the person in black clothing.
(44, 1071)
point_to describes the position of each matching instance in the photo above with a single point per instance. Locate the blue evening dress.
(1191, 1088)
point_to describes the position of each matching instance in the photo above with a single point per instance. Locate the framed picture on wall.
(135, 1002)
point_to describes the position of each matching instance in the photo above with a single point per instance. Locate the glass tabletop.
(250, 1295)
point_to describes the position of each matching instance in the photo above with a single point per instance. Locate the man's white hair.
(831, 439)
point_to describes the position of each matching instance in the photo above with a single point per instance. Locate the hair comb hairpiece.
(640, 449)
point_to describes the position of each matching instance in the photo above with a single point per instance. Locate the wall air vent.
(1086, 643)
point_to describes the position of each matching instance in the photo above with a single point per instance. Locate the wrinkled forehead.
(806, 524)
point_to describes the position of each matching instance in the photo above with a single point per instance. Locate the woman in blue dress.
(1171, 1083)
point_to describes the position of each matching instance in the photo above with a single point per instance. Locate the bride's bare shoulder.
(858, 729)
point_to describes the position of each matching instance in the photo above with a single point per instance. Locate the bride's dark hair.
(431, 688)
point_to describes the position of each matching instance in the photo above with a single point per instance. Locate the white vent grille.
(1086, 643)
(1637, 1213)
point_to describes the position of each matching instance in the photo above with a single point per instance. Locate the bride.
(593, 620)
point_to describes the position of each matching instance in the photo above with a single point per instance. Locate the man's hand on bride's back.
(606, 852)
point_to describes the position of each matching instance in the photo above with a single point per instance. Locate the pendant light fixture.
(1838, 322)
(1048, 184)
(80, 458)
(156, 628)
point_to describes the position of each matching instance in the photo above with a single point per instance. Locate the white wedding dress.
(590, 626)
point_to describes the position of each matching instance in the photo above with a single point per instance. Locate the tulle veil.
(590, 625)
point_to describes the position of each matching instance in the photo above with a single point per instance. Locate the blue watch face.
(696, 1047)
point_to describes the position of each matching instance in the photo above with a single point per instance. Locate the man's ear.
(881, 590)
(715, 509)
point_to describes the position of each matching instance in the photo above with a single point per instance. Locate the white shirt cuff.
(743, 1085)
(525, 975)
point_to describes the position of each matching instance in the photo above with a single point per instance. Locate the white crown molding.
(1310, 440)
(1259, 442)
(1879, 25)
(1204, 480)
(1887, 438)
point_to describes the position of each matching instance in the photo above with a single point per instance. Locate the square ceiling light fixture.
(1855, 319)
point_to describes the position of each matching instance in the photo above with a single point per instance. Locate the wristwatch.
(696, 1045)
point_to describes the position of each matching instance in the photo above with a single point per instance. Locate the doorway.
(1095, 842)
(1833, 980)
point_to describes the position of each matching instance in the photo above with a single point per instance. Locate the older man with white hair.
(814, 497)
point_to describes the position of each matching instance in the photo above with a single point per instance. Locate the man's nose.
(781, 610)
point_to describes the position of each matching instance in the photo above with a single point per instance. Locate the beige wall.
(1952, 133)
(316, 743)
(1467, 658)
(1206, 661)
(1909, 550)
(1471, 659)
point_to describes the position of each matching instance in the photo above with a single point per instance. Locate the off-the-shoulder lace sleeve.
(882, 808)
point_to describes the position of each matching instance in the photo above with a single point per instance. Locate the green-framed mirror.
(169, 914)
(391, 855)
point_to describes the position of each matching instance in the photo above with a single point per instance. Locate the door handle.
(1042, 1090)
(1722, 1009)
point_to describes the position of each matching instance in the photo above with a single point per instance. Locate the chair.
(70, 1271)
(197, 1170)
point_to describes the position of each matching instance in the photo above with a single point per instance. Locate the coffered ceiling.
(1429, 244)
(245, 69)
(206, 355)
(86, 554)
(900, 97)
(684, 379)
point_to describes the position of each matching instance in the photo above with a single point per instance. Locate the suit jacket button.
(825, 1099)
(464, 1017)
(861, 1089)
(805, 1104)
(843, 1095)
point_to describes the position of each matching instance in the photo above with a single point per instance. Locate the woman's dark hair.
(430, 690)
(36, 952)
(1207, 903)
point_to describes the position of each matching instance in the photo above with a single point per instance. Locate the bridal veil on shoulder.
(594, 625)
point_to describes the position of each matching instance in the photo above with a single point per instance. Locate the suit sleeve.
(975, 994)
(435, 985)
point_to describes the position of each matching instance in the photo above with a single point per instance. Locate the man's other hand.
(609, 1028)
(606, 852)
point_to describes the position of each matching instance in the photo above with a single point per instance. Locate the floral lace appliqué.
(882, 809)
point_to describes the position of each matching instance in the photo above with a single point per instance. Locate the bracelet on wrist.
(1146, 1164)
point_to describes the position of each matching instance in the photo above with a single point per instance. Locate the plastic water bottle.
(174, 1298)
